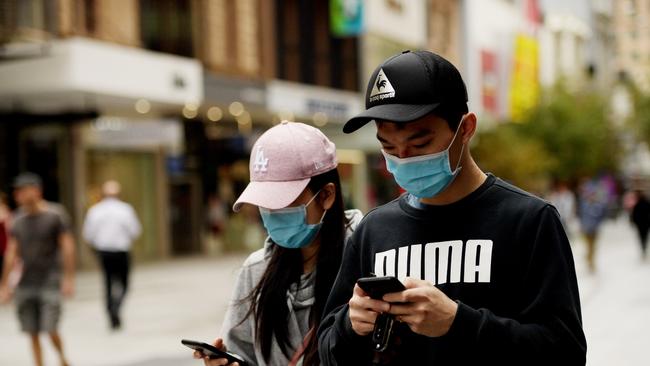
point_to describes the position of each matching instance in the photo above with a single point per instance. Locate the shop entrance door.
(137, 173)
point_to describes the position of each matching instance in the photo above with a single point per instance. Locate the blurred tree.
(513, 156)
(640, 118)
(567, 136)
(575, 129)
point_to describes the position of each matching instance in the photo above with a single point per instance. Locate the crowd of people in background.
(585, 207)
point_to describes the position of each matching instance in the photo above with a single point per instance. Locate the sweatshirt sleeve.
(238, 333)
(548, 329)
(338, 344)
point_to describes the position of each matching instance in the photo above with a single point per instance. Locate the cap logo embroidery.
(261, 163)
(382, 89)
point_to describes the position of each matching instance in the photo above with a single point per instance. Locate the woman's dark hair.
(268, 300)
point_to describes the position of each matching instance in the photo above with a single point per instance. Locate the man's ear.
(468, 128)
(327, 196)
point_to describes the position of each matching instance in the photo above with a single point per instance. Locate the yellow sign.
(524, 86)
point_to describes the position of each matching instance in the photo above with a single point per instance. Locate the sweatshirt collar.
(413, 205)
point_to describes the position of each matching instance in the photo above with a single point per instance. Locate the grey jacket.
(241, 338)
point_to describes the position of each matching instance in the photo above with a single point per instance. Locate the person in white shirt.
(110, 227)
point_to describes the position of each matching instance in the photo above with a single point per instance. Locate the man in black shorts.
(41, 238)
(488, 269)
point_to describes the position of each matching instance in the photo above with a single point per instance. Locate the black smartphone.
(382, 331)
(213, 352)
(377, 287)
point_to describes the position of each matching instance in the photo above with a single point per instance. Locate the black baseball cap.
(410, 85)
(27, 179)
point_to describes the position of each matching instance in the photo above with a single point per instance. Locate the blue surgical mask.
(424, 176)
(288, 227)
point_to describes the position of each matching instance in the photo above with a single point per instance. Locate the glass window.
(27, 20)
(166, 26)
(308, 52)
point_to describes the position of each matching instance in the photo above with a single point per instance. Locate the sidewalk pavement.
(186, 298)
(182, 298)
(615, 299)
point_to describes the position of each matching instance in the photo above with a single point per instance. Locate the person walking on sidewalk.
(640, 217)
(487, 267)
(110, 227)
(281, 289)
(593, 201)
(39, 236)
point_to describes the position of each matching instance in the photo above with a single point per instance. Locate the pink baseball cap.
(283, 160)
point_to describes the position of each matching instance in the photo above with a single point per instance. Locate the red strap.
(301, 350)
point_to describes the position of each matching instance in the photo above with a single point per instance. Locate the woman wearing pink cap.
(282, 288)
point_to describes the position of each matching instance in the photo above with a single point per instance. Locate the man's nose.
(403, 152)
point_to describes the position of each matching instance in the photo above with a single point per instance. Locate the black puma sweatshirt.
(500, 252)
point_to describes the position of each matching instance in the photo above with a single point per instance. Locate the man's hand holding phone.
(423, 307)
(367, 301)
(364, 311)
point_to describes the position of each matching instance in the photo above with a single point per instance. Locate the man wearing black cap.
(41, 238)
(487, 267)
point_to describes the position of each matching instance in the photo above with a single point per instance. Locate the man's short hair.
(27, 179)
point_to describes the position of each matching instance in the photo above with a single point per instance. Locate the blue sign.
(346, 17)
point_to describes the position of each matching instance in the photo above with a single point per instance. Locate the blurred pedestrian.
(564, 201)
(217, 224)
(5, 215)
(217, 215)
(40, 236)
(629, 200)
(282, 288)
(487, 268)
(110, 227)
(640, 216)
(593, 200)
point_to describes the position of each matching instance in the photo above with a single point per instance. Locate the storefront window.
(27, 20)
(308, 52)
(166, 26)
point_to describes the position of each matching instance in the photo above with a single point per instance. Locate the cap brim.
(389, 112)
(271, 195)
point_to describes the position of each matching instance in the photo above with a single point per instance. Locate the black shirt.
(500, 252)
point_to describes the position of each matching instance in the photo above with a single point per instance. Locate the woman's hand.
(207, 361)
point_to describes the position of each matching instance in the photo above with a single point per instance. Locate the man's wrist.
(452, 311)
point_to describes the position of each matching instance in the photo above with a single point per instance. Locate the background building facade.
(168, 96)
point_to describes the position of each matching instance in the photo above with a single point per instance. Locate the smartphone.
(377, 287)
(213, 352)
(382, 332)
